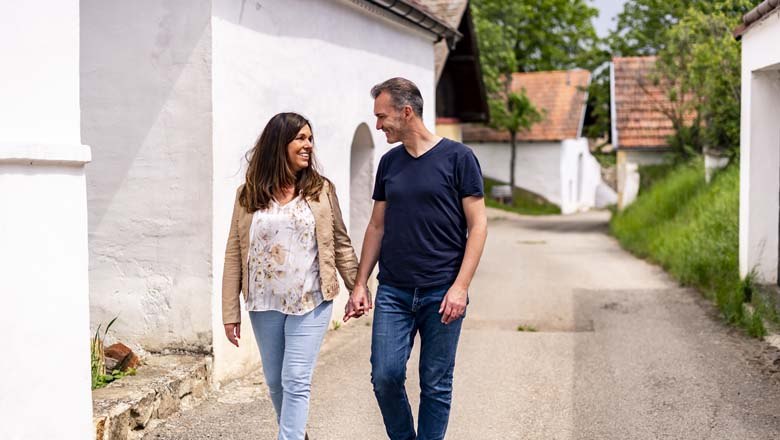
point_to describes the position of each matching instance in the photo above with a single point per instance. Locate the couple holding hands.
(287, 240)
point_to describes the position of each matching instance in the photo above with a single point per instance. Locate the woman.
(287, 240)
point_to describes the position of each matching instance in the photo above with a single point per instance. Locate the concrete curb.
(164, 385)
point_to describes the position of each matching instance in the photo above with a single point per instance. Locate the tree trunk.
(513, 154)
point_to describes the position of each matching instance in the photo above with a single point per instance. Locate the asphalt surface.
(620, 351)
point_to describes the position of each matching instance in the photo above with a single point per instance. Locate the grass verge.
(692, 230)
(525, 202)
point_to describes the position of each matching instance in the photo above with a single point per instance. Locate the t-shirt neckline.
(427, 153)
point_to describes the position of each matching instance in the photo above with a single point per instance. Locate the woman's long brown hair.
(269, 169)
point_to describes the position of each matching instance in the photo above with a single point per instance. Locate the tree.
(542, 34)
(515, 114)
(642, 25)
(700, 62)
(527, 36)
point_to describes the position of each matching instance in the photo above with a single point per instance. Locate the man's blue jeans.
(399, 314)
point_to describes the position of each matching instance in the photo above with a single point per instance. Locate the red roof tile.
(561, 95)
(639, 105)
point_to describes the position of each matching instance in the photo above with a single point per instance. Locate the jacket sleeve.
(231, 276)
(346, 260)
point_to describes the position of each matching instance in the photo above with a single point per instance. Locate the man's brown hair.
(402, 93)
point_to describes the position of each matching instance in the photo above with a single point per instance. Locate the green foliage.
(606, 160)
(515, 114)
(523, 202)
(106, 379)
(96, 356)
(700, 63)
(691, 229)
(642, 25)
(650, 174)
(540, 34)
(100, 377)
(526, 328)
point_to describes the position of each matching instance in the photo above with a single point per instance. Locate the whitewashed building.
(760, 142)
(553, 159)
(174, 93)
(44, 293)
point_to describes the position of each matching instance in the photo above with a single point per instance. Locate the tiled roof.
(450, 12)
(639, 105)
(561, 95)
(755, 15)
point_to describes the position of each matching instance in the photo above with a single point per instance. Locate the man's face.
(388, 119)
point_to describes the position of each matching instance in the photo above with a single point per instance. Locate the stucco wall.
(760, 150)
(580, 176)
(44, 311)
(361, 185)
(537, 166)
(319, 59)
(146, 110)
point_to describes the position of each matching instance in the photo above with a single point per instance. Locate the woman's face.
(299, 150)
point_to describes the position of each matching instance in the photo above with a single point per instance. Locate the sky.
(607, 10)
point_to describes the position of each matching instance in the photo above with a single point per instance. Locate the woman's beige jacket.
(333, 244)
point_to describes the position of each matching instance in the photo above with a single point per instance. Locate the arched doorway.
(360, 184)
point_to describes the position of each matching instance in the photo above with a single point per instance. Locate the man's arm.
(360, 300)
(454, 304)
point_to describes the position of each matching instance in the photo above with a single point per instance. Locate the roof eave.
(755, 16)
(416, 15)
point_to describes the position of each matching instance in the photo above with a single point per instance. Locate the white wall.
(146, 111)
(760, 150)
(44, 311)
(580, 176)
(537, 166)
(361, 185)
(316, 58)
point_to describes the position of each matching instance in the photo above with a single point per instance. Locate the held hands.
(453, 306)
(233, 332)
(359, 303)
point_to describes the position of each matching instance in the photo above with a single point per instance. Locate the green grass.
(606, 160)
(525, 202)
(526, 328)
(692, 230)
(650, 174)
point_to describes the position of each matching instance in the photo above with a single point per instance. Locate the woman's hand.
(359, 303)
(233, 332)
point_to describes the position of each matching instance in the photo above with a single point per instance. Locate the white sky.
(608, 9)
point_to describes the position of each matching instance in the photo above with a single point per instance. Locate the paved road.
(621, 352)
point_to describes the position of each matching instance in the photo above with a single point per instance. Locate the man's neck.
(419, 140)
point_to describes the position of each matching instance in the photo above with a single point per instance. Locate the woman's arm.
(231, 276)
(346, 260)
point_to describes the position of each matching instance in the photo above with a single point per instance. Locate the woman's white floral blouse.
(284, 272)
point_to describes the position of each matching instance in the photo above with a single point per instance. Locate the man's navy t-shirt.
(425, 227)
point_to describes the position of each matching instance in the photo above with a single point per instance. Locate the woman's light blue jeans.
(289, 346)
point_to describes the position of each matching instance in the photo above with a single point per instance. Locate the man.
(427, 229)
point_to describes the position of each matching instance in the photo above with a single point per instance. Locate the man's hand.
(453, 306)
(359, 303)
(233, 332)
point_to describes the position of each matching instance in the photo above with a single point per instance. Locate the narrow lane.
(619, 352)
